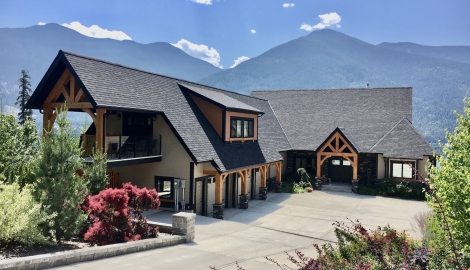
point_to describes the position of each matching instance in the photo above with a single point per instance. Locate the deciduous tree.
(451, 182)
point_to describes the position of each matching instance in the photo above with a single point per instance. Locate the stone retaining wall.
(183, 230)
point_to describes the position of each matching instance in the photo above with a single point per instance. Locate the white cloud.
(306, 27)
(97, 32)
(203, 2)
(41, 23)
(331, 19)
(253, 31)
(200, 51)
(288, 5)
(240, 59)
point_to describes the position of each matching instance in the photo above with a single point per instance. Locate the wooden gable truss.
(66, 91)
(337, 146)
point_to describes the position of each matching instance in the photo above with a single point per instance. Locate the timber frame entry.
(337, 145)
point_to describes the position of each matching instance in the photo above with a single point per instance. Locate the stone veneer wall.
(292, 154)
(367, 167)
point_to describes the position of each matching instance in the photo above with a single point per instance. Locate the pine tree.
(23, 97)
(57, 185)
(95, 174)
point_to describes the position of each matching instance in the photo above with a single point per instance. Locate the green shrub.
(19, 145)
(287, 187)
(366, 190)
(298, 188)
(359, 248)
(394, 188)
(21, 216)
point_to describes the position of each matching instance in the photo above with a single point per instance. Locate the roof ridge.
(152, 73)
(332, 89)
(416, 131)
(388, 132)
(277, 119)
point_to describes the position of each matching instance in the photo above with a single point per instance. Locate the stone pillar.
(355, 185)
(184, 224)
(218, 211)
(243, 203)
(278, 187)
(318, 183)
(263, 193)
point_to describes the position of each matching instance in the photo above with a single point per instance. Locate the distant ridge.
(454, 53)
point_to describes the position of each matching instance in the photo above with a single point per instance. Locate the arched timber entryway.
(336, 145)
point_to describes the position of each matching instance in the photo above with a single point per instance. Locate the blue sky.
(222, 31)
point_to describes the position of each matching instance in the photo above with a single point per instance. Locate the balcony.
(125, 148)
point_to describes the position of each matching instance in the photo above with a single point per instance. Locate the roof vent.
(367, 85)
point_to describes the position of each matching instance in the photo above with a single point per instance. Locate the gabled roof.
(309, 116)
(343, 132)
(221, 99)
(113, 86)
(403, 141)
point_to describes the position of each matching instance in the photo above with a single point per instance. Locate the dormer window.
(233, 120)
(242, 127)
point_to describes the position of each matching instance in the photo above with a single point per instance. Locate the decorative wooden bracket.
(244, 177)
(263, 169)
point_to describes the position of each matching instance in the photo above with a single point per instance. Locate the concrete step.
(337, 187)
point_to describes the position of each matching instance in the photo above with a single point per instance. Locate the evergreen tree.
(58, 186)
(95, 174)
(23, 97)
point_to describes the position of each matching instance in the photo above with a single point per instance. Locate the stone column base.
(218, 211)
(263, 193)
(243, 203)
(354, 185)
(278, 187)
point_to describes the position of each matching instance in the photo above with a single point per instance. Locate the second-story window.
(241, 127)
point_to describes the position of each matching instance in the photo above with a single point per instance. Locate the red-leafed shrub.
(115, 215)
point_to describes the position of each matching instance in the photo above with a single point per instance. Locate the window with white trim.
(402, 169)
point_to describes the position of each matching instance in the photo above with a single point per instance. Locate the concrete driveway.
(283, 223)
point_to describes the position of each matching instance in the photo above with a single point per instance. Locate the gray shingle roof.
(403, 141)
(221, 99)
(112, 85)
(309, 116)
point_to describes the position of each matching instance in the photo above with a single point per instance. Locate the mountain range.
(33, 48)
(439, 75)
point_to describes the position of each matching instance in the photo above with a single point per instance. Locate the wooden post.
(318, 165)
(219, 184)
(46, 117)
(244, 175)
(99, 124)
(263, 171)
(355, 164)
(278, 171)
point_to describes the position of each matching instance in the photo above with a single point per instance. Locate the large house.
(205, 149)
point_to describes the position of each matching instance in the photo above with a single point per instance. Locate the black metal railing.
(124, 147)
